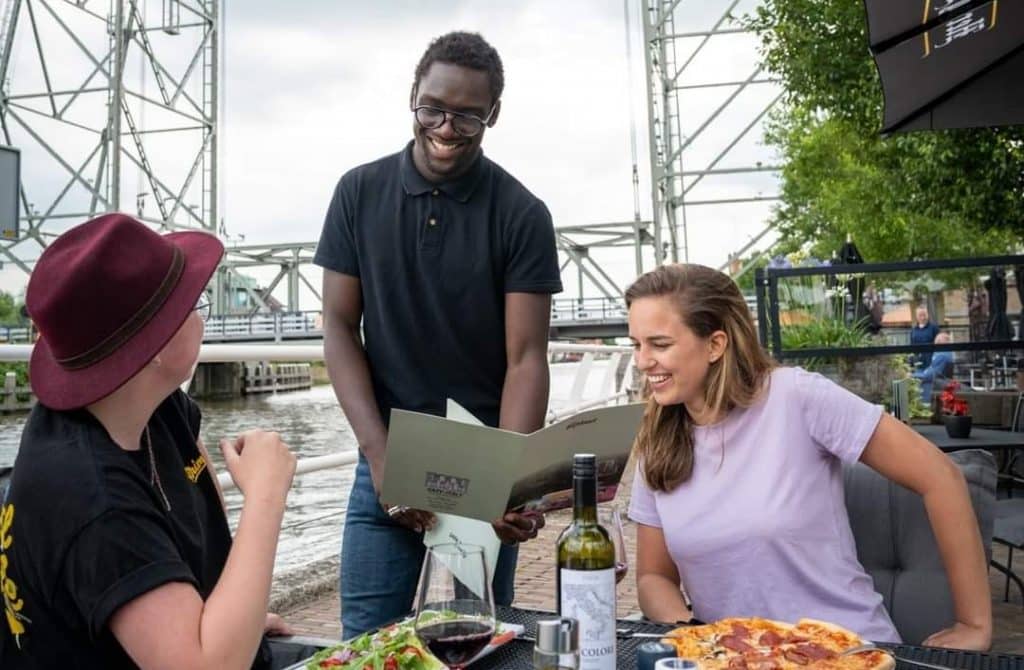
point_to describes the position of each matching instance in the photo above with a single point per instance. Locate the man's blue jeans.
(381, 561)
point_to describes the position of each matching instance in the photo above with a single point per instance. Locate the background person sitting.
(939, 370)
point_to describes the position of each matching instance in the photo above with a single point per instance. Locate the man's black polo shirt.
(435, 262)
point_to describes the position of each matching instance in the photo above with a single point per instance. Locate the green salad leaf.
(395, 647)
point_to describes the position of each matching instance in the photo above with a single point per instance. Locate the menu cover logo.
(451, 485)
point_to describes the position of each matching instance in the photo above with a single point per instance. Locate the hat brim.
(63, 389)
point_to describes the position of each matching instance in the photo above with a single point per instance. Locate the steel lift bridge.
(102, 96)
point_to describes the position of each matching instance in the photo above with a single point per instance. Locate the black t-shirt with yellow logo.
(85, 530)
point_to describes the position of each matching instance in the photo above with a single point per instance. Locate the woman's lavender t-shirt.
(760, 528)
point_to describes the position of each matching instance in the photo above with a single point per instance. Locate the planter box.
(957, 426)
(869, 377)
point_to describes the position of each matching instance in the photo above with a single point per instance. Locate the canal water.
(313, 425)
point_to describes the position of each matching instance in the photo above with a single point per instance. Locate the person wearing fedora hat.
(115, 550)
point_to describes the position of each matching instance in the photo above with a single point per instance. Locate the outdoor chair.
(1008, 473)
(1009, 531)
(896, 546)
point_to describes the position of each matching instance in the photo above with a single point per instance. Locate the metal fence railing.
(770, 305)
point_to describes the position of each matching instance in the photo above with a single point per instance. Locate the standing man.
(449, 263)
(923, 332)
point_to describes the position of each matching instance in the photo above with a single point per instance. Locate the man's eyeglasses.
(466, 125)
(203, 307)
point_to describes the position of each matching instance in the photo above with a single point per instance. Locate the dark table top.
(518, 654)
(980, 438)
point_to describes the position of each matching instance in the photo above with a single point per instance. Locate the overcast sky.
(313, 88)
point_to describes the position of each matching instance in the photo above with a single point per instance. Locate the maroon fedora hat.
(106, 296)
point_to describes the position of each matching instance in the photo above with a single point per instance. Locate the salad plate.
(394, 647)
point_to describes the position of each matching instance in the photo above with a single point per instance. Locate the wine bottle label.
(589, 597)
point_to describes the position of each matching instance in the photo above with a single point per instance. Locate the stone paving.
(535, 589)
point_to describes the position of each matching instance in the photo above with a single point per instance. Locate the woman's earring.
(156, 361)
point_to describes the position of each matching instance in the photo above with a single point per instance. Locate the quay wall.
(231, 380)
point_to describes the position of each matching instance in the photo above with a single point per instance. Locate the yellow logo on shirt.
(12, 604)
(195, 469)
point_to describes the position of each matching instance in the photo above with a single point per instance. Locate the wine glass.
(612, 522)
(454, 606)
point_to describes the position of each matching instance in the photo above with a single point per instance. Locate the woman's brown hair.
(706, 301)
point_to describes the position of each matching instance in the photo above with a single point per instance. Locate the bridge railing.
(615, 386)
(584, 310)
(15, 334)
(264, 325)
(309, 324)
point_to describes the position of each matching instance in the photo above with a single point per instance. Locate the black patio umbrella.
(849, 254)
(1018, 276)
(998, 328)
(948, 63)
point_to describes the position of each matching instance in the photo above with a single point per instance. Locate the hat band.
(113, 342)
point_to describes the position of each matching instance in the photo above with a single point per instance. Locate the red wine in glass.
(620, 571)
(454, 605)
(455, 643)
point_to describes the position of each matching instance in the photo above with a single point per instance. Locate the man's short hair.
(467, 50)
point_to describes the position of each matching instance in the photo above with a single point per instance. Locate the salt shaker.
(558, 645)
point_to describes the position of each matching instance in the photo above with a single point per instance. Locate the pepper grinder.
(558, 645)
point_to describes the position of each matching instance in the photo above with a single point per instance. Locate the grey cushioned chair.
(1009, 531)
(896, 546)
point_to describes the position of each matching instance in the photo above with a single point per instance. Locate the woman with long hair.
(738, 494)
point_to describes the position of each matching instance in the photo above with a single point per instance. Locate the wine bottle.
(586, 571)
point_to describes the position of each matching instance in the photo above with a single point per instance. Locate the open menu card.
(446, 466)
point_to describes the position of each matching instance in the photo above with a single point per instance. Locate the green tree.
(908, 196)
(10, 310)
(746, 280)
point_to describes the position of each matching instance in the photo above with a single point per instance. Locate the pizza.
(763, 644)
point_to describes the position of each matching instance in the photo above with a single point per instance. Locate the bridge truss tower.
(706, 94)
(288, 259)
(114, 106)
(707, 97)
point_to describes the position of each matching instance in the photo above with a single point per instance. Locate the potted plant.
(954, 411)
